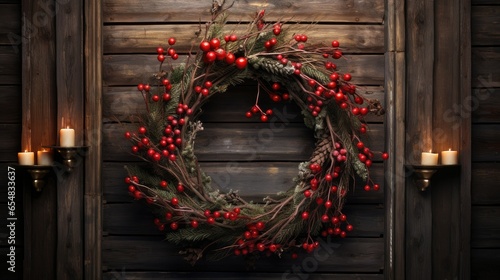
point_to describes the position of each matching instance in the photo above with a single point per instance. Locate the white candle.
(44, 157)
(67, 137)
(429, 158)
(449, 157)
(26, 158)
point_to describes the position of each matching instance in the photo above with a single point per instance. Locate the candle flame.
(430, 151)
(25, 151)
(67, 127)
(449, 149)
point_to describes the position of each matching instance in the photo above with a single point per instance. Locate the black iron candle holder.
(422, 174)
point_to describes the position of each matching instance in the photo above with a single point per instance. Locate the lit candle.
(449, 157)
(26, 158)
(44, 157)
(67, 137)
(429, 158)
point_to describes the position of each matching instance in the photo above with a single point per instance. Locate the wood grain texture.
(146, 38)
(122, 70)
(10, 24)
(485, 147)
(484, 264)
(485, 178)
(242, 142)
(92, 269)
(485, 227)
(10, 66)
(10, 146)
(485, 70)
(484, 105)
(484, 21)
(240, 174)
(234, 275)
(120, 103)
(175, 11)
(70, 100)
(10, 104)
(150, 253)
(136, 219)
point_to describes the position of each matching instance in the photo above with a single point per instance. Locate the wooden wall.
(257, 166)
(10, 126)
(485, 107)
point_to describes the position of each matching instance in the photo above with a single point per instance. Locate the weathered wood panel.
(10, 25)
(485, 227)
(10, 104)
(10, 146)
(269, 183)
(10, 66)
(137, 219)
(484, 105)
(146, 38)
(119, 103)
(484, 264)
(485, 70)
(485, 25)
(176, 11)
(150, 253)
(246, 142)
(124, 274)
(122, 70)
(485, 178)
(485, 138)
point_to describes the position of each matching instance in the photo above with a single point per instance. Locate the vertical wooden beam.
(70, 99)
(420, 61)
(93, 125)
(38, 128)
(395, 139)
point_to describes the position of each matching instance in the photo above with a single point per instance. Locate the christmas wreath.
(205, 221)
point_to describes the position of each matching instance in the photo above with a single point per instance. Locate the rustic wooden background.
(10, 124)
(239, 153)
(485, 106)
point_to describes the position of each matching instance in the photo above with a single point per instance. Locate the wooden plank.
(10, 146)
(485, 70)
(119, 103)
(10, 104)
(124, 274)
(123, 70)
(175, 11)
(484, 264)
(484, 2)
(71, 107)
(484, 21)
(10, 24)
(137, 219)
(485, 178)
(115, 191)
(146, 38)
(484, 105)
(484, 137)
(241, 142)
(485, 227)
(10, 66)
(151, 253)
(92, 264)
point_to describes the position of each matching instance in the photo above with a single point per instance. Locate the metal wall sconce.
(422, 174)
(69, 155)
(38, 174)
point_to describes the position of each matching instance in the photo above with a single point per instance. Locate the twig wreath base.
(205, 221)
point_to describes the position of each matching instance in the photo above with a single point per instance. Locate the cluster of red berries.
(249, 242)
(264, 116)
(170, 51)
(212, 52)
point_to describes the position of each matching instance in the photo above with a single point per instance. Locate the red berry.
(263, 118)
(343, 234)
(335, 44)
(205, 46)
(131, 188)
(160, 50)
(233, 38)
(319, 200)
(376, 187)
(194, 223)
(337, 54)
(211, 220)
(237, 210)
(135, 149)
(241, 62)
(174, 226)
(215, 43)
(128, 135)
(174, 201)
(347, 77)
(230, 58)
(172, 157)
(147, 87)
(360, 145)
(210, 56)
(261, 247)
(155, 98)
(305, 215)
(260, 225)
(142, 130)
(349, 227)
(171, 41)
(325, 218)
(328, 204)
(180, 188)
(220, 53)
(277, 31)
(343, 217)
(307, 193)
(273, 248)
(385, 156)
(161, 58)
